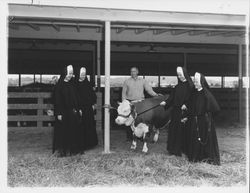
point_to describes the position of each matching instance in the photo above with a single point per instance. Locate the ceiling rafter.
(230, 34)
(197, 32)
(56, 27)
(98, 30)
(33, 26)
(119, 30)
(160, 31)
(139, 31)
(179, 32)
(78, 28)
(216, 33)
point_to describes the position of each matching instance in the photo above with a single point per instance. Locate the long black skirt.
(204, 144)
(175, 132)
(88, 128)
(66, 134)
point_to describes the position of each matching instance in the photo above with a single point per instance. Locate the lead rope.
(198, 133)
(149, 109)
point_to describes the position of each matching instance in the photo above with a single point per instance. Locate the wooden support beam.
(98, 30)
(216, 33)
(30, 106)
(92, 77)
(78, 28)
(179, 32)
(107, 87)
(160, 31)
(19, 81)
(56, 27)
(28, 128)
(119, 30)
(185, 59)
(231, 34)
(30, 118)
(98, 55)
(197, 32)
(240, 81)
(39, 112)
(139, 31)
(29, 95)
(34, 26)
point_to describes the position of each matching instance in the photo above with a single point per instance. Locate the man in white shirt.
(133, 88)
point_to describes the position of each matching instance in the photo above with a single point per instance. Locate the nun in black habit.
(179, 102)
(87, 104)
(204, 144)
(67, 115)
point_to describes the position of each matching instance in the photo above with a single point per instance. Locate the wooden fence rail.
(40, 107)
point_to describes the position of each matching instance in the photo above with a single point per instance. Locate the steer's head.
(126, 113)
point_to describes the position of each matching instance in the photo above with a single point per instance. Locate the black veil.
(212, 104)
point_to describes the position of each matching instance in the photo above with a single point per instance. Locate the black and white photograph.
(115, 95)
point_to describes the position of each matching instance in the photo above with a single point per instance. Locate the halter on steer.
(133, 111)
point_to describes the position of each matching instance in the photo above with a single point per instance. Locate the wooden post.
(39, 112)
(92, 77)
(19, 80)
(185, 59)
(159, 77)
(98, 59)
(240, 80)
(222, 81)
(107, 88)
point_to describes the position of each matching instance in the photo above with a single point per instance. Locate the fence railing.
(38, 105)
(30, 109)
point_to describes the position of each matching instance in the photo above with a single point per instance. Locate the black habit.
(204, 144)
(87, 100)
(177, 140)
(66, 131)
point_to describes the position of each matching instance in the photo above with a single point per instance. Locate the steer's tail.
(164, 126)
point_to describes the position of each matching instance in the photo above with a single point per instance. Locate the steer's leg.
(156, 135)
(133, 146)
(145, 140)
